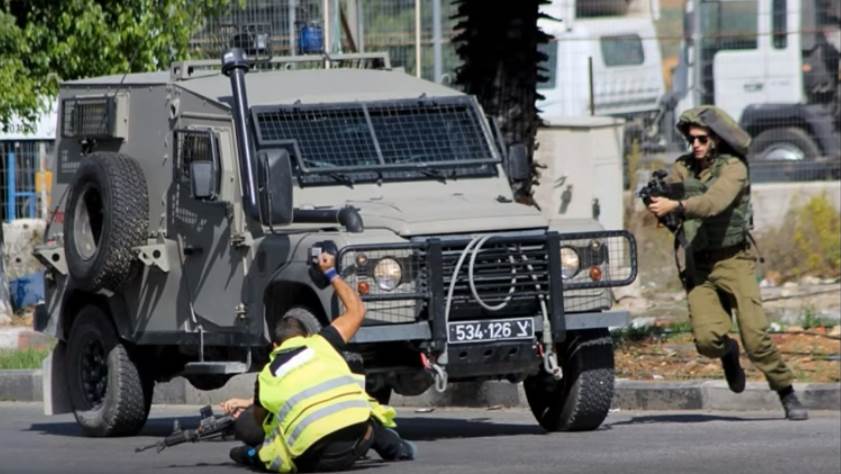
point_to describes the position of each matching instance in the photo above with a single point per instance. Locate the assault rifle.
(210, 427)
(658, 187)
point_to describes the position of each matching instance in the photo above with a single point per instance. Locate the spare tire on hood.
(106, 216)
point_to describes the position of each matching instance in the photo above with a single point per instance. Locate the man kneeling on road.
(309, 412)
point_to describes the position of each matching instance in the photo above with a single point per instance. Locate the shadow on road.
(683, 419)
(428, 429)
(154, 427)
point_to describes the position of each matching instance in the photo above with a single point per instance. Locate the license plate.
(463, 332)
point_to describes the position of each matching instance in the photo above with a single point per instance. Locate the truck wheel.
(306, 317)
(581, 399)
(783, 144)
(107, 214)
(109, 396)
(381, 395)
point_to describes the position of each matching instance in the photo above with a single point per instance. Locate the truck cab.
(193, 199)
(602, 59)
(773, 66)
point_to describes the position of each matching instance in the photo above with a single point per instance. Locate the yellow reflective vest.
(310, 391)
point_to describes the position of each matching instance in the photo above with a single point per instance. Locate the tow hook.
(439, 374)
(550, 362)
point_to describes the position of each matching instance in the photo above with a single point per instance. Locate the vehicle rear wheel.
(783, 144)
(581, 399)
(107, 215)
(108, 393)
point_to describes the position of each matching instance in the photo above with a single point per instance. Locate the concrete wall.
(583, 167)
(772, 201)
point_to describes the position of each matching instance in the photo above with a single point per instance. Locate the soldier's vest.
(311, 392)
(726, 229)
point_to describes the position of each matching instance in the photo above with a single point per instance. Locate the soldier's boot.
(733, 371)
(795, 410)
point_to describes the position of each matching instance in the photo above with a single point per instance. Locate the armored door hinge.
(156, 254)
(241, 311)
(242, 240)
(51, 256)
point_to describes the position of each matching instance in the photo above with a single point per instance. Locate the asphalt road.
(465, 441)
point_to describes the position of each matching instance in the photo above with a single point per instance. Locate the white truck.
(603, 59)
(772, 65)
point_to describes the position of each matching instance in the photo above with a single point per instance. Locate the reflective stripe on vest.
(304, 394)
(311, 398)
(322, 413)
(300, 359)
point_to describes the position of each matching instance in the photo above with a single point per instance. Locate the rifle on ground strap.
(210, 427)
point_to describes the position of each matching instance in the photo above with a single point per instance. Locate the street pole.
(417, 38)
(438, 67)
(697, 66)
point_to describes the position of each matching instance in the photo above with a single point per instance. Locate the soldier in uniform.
(713, 197)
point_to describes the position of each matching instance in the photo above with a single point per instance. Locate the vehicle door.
(731, 31)
(780, 41)
(207, 229)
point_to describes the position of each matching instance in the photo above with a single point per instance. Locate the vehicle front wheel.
(108, 393)
(783, 144)
(581, 399)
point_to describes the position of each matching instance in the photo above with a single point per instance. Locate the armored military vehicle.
(188, 204)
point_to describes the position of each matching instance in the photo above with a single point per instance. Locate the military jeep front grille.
(512, 271)
(508, 274)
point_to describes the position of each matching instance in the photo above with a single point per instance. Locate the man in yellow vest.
(720, 270)
(310, 412)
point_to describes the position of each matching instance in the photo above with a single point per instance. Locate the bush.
(809, 243)
(23, 359)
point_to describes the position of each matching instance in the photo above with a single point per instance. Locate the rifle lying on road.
(210, 427)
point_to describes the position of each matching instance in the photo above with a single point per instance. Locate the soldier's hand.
(661, 206)
(326, 261)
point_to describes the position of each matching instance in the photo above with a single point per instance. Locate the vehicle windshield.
(363, 141)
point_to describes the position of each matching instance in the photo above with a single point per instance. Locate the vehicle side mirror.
(203, 177)
(519, 168)
(275, 187)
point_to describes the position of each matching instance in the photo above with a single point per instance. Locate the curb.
(25, 385)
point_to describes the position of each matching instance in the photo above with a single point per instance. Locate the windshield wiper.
(323, 168)
(340, 178)
(433, 173)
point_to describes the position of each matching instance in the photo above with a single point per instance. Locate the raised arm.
(350, 321)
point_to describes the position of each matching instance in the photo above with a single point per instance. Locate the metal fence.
(407, 30)
(23, 180)
(771, 64)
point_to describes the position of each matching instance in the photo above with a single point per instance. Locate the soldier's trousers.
(719, 286)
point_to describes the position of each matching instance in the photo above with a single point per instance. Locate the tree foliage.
(45, 41)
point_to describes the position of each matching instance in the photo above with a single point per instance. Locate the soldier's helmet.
(720, 123)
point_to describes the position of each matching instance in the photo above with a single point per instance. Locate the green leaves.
(43, 42)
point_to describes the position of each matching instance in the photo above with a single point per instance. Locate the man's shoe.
(733, 371)
(795, 410)
(245, 455)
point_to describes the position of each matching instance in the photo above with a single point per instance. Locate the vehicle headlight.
(570, 263)
(388, 274)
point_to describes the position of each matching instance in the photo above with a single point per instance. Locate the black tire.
(784, 144)
(107, 214)
(110, 396)
(306, 317)
(382, 394)
(581, 400)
